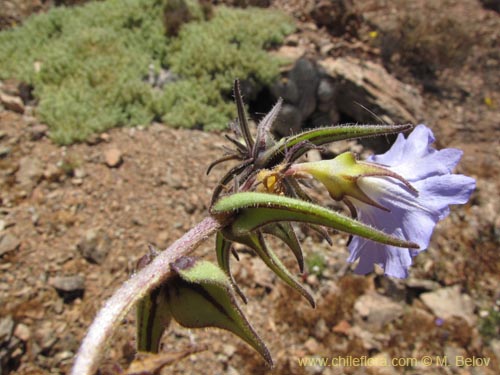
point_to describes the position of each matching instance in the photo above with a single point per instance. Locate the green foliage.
(210, 55)
(489, 326)
(88, 64)
(316, 263)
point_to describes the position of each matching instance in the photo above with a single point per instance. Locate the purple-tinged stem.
(110, 316)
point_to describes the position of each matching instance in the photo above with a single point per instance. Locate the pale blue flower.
(409, 215)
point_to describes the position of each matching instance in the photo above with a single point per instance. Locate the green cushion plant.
(89, 64)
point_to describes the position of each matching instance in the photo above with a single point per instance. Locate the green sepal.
(202, 296)
(321, 136)
(285, 232)
(152, 313)
(254, 210)
(153, 318)
(223, 251)
(256, 242)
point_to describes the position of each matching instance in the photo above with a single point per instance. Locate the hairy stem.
(109, 317)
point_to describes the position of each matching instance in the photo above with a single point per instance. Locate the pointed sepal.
(223, 252)
(321, 136)
(285, 232)
(152, 314)
(256, 242)
(202, 296)
(254, 210)
(340, 176)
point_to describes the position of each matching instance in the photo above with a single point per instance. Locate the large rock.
(298, 90)
(450, 302)
(373, 311)
(367, 84)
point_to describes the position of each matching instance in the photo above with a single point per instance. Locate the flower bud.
(341, 176)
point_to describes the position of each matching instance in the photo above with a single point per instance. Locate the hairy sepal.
(223, 251)
(321, 136)
(153, 318)
(256, 242)
(253, 210)
(285, 232)
(202, 296)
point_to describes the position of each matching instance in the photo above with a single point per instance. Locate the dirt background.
(134, 186)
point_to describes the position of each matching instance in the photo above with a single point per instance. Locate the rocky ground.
(74, 220)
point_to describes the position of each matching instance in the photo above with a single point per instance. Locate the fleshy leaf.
(202, 296)
(256, 210)
(321, 136)
(256, 242)
(223, 251)
(285, 232)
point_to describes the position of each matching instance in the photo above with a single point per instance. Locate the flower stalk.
(135, 288)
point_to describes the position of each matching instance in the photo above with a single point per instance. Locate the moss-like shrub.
(210, 55)
(88, 64)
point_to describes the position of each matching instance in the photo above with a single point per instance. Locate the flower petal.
(411, 216)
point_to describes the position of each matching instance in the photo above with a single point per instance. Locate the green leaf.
(256, 242)
(321, 136)
(202, 296)
(255, 210)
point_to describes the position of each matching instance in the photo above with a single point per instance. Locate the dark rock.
(286, 89)
(11, 347)
(326, 91)
(68, 283)
(491, 4)
(38, 131)
(249, 3)
(306, 77)
(69, 287)
(95, 246)
(318, 119)
(369, 85)
(289, 121)
(338, 16)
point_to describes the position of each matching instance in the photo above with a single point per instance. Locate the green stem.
(110, 316)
